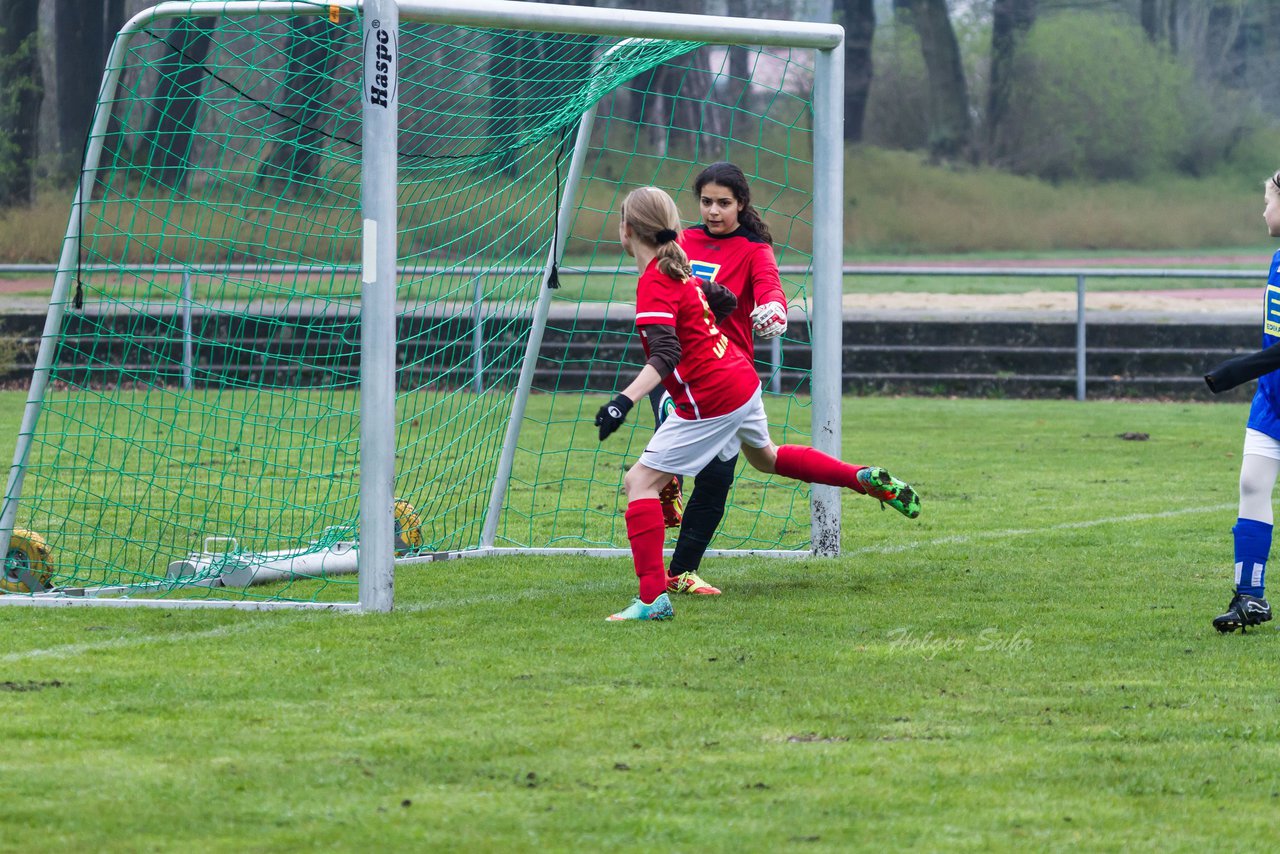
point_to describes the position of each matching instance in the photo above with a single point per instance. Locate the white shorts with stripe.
(685, 446)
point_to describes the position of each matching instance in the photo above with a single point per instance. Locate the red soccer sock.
(645, 530)
(800, 462)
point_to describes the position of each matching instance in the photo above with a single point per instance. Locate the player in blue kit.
(1260, 462)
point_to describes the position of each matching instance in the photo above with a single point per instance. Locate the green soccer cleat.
(690, 582)
(887, 489)
(637, 610)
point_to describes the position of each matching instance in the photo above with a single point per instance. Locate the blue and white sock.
(1253, 546)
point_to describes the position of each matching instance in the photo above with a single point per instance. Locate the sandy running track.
(1232, 300)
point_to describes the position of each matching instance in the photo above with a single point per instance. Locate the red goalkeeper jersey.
(742, 262)
(712, 377)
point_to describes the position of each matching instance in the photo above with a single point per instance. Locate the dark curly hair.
(728, 175)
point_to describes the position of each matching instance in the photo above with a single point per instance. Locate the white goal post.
(379, 264)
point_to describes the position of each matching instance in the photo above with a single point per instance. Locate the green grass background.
(1029, 665)
(898, 204)
(899, 209)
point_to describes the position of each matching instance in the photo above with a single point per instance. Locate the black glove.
(612, 414)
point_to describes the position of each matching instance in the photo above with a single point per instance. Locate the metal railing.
(1080, 274)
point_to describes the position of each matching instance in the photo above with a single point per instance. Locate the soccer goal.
(341, 292)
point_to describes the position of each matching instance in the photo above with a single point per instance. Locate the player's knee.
(762, 459)
(1257, 477)
(640, 481)
(631, 482)
(1255, 485)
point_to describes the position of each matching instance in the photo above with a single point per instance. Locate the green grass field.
(1028, 666)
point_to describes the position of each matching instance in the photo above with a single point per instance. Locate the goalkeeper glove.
(612, 414)
(769, 320)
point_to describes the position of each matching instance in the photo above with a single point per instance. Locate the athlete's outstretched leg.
(800, 462)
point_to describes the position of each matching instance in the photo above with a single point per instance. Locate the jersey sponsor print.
(744, 264)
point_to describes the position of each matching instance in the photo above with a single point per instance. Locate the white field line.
(69, 650)
(1022, 532)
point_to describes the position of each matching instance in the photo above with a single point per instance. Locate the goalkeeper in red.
(717, 396)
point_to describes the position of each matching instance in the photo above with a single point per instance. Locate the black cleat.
(1244, 610)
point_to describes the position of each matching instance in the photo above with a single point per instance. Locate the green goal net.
(198, 420)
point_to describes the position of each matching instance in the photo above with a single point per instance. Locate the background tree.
(681, 109)
(687, 110)
(303, 98)
(929, 64)
(859, 20)
(19, 100)
(71, 59)
(177, 101)
(511, 54)
(546, 69)
(113, 18)
(739, 59)
(1092, 98)
(1010, 20)
(950, 126)
(1149, 15)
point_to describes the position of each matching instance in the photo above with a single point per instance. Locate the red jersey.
(742, 262)
(712, 377)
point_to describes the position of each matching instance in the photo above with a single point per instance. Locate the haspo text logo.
(379, 65)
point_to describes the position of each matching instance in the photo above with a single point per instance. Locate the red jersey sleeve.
(766, 282)
(656, 301)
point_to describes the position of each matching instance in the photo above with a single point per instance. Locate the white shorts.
(684, 447)
(1259, 443)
